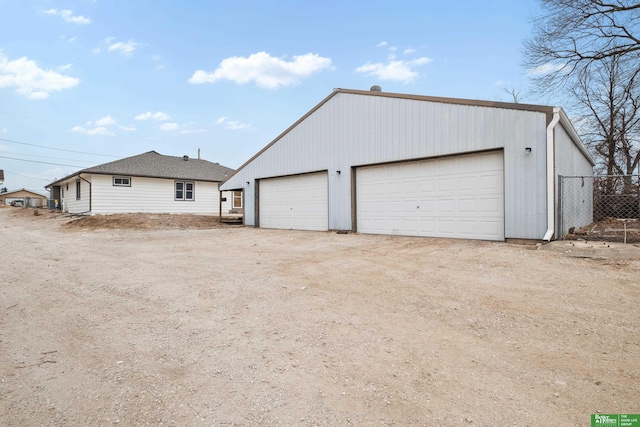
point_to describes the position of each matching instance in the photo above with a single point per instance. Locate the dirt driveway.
(244, 327)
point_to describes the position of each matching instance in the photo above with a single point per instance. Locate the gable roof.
(458, 101)
(8, 193)
(154, 165)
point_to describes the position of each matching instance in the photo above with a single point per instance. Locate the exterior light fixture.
(528, 150)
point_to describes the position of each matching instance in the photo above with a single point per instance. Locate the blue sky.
(98, 80)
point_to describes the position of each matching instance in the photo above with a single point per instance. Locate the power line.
(35, 161)
(28, 177)
(31, 118)
(58, 149)
(46, 157)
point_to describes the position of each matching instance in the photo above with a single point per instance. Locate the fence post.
(560, 208)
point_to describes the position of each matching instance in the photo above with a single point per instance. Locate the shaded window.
(185, 190)
(78, 187)
(122, 181)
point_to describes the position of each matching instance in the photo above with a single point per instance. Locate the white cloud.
(232, 124)
(30, 80)
(4, 130)
(402, 71)
(382, 44)
(501, 83)
(188, 131)
(127, 128)
(158, 59)
(68, 16)
(64, 67)
(95, 51)
(545, 69)
(159, 116)
(409, 51)
(105, 121)
(265, 70)
(99, 127)
(169, 126)
(100, 130)
(72, 39)
(125, 48)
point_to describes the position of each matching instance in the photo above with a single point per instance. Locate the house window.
(185, 190)
(122, 181)
(78, 190)
(237, 199)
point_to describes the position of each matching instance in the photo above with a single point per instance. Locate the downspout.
(80, 176)
(551, 179)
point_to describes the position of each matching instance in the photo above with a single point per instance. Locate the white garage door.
(299, 202)
(460, 197)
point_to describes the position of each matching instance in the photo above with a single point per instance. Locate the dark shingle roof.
(155, 165)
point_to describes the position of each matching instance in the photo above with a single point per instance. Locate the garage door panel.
(297, 202)
(460, 196)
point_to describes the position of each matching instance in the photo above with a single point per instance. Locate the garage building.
(388, 163)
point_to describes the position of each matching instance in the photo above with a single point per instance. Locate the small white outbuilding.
(389, 163)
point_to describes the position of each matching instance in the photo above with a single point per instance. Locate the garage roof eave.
(573, 134)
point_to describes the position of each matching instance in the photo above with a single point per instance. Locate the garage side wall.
(352, 130)
(578, 201)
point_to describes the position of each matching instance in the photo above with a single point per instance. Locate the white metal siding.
(460, 197)
(297, 202)
(352, 130)
(152, 195)
(577, 205)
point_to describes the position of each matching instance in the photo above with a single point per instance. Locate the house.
(149, 182)
(29, 198)
(389, 163)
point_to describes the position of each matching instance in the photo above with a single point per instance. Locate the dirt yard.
(228, 326)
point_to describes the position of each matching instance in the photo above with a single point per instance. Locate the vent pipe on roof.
(198, 154)
(375, 88)
(185, 158)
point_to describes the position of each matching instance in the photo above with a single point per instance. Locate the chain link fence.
(600, 207)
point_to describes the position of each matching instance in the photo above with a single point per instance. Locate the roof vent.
(375, 88)
(185, 158)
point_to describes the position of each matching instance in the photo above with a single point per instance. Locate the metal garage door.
(461, 197)
(299, 202)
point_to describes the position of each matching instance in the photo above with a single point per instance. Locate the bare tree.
(513, 93)
(607, 100)
(590, 50)
(572, 35)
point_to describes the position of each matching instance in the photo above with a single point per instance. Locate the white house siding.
(355, 130)
(577, 206)
(69, 202)
(151, 195)
(227, 204)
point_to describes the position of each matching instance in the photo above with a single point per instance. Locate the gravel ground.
(232, 326)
